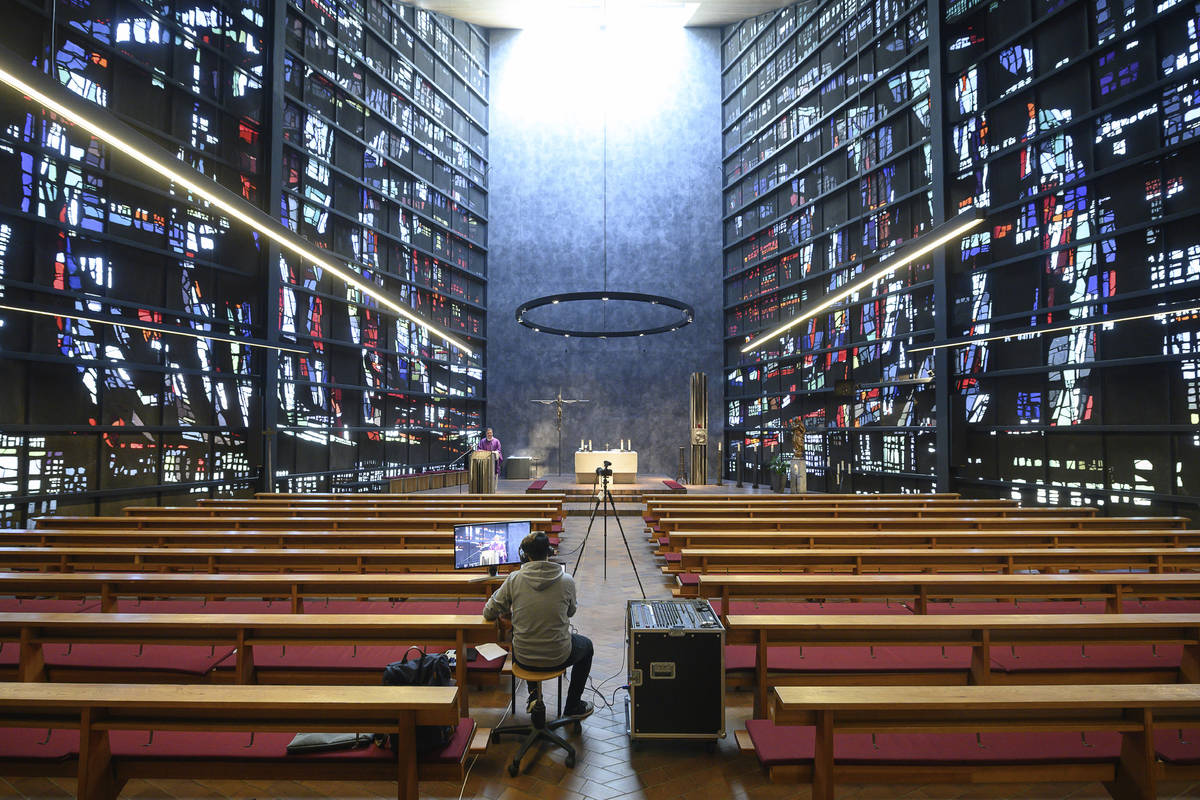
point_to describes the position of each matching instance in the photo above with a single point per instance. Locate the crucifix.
(558, 402)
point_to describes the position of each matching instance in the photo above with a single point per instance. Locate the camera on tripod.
(606, 470)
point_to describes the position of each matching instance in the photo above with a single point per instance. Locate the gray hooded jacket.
(539, 597)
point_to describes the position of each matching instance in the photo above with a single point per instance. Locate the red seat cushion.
(673, 558)
(673, 484)
(1162, 607)
(663, 541)
(372, 658)
(453, 752)
(536, 486)
(1093, 656)
(40, 744)
(244, 746)
(988, 748)
(780, 744)
(776, 745)
(130, 606)
(688, 579)
(41, 605)
(850, 659)
(183, 659)
(238, 745)
(556, 527)
(1177, 746)
(1021, 607)
(464, 606)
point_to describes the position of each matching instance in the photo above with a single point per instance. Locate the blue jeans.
(580, 661)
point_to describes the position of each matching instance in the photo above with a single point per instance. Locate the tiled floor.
(607, 767)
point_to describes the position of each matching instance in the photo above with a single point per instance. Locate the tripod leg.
(583, 544)
(629, 552)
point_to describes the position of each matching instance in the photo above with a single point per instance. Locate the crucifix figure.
(558, 402)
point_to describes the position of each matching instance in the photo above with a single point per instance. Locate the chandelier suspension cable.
(685, 313)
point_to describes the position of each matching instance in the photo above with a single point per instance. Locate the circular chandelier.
(685, 317)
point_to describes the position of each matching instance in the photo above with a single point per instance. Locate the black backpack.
(429, 669)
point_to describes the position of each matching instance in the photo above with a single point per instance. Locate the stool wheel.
(514, 768)
(495, 737)
(570, 759)
(578, 727)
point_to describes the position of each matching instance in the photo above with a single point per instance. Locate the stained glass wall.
(1073, 125)
(98, 416)
(1069, 126)
(828, 163)
(384, 163)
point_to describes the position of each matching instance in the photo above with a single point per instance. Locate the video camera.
(605, 471)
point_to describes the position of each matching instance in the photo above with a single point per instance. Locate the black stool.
(538, 729)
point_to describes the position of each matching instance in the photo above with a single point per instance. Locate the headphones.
(526, 542)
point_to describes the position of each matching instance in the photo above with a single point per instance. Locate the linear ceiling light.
(920, 248)
(1053, 329)
(144, 153)
(163, 329)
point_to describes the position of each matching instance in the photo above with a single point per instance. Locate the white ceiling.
(517, 13)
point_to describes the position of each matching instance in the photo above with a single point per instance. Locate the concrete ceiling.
(519, 13)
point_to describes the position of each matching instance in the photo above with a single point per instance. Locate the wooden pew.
(982, 633)
(949, 559)
(402, 496)
(241, 634)
(428, 521)
(69, 558)
(110, 586)
(432, 500)
(932, 536)
(767, 497)
(930, 521)
(1134, 712)
(102, 713)
(49, 537)
(771, 516)
(1113, 588)
(495, 513)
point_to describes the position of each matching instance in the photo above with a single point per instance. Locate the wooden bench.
(428, 521)
(325, 649)
(657, 506)
(920, 590)
(962, 648)
(552, 503)
(917, 519)
(853, 734)
(321, 497)
(928, 536)
(68, 558)
(857, 561)
(496, 513)
(184, 537)
(109, 587)
(114, 732)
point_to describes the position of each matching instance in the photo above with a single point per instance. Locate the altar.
(624, 465)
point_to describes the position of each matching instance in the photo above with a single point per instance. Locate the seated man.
(539, 597)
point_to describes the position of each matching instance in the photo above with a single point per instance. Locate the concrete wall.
(651, 98)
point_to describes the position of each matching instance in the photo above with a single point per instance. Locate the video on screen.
(489, 544)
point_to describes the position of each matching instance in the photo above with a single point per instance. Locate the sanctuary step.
(585, 509)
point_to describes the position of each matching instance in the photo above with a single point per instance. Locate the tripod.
(604, 501)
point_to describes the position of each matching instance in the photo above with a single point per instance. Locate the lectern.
(481, 473)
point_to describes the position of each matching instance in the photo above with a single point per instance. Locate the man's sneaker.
(580, 710)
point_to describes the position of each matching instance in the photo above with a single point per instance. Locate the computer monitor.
(489, 544)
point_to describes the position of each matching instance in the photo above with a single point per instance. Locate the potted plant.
(779, 469)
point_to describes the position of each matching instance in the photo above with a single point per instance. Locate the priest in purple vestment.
(489, 442)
